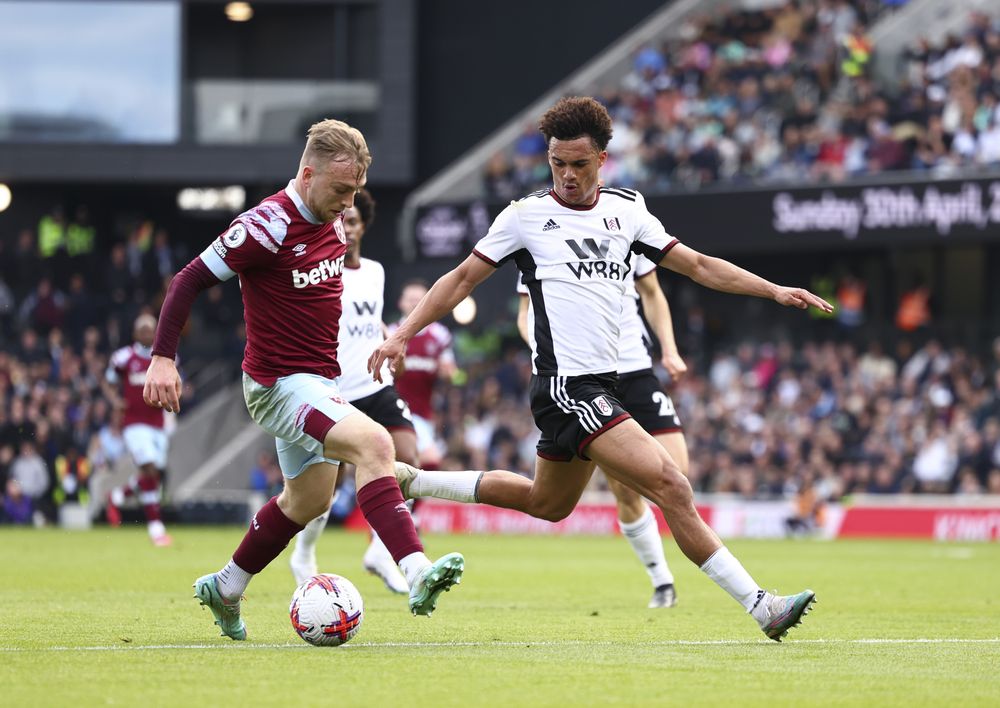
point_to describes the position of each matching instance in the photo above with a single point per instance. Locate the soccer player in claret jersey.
(573, 245)
(289, 254)
(644, 398)
(142, 429)
(429, 358)
(361, 330)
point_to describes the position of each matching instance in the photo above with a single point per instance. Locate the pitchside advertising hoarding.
(901, 213)
(937, 518)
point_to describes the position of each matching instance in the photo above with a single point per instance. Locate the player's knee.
(303, 506)
(377, 450)
(551, 510)
(671, 486)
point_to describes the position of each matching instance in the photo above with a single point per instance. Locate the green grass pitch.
(103, 618)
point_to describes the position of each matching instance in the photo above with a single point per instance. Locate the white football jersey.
(634, 341)
(361, 329)
(575, 262)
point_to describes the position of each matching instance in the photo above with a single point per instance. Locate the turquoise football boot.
(227, 613)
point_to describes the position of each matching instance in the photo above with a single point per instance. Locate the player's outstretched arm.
(448, 291)
(657, 311)
(722, 275)
(163, 384)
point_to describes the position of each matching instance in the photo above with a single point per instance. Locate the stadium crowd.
(786, 93)
(66, 302)
(762, 420)
(768, 420)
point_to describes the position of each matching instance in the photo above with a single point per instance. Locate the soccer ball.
(326, 610)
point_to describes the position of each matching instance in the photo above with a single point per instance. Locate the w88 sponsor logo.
(324, 271)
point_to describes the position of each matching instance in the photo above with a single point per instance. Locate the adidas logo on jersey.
(549, 225)
(324, 271)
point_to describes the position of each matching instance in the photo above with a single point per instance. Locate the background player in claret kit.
(429, 359)
(142, 429)
(642, 395)
(289, 253)
(573, 245)
(361, 330)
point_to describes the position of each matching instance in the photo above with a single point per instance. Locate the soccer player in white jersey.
(644, 398)
(573, 245)
(361, 330)
(289, 254)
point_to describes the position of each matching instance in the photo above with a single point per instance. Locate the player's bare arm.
(718, 274)
(657, 311)
(522, 317)
(448, 291)
(163, 385)
(112, 394)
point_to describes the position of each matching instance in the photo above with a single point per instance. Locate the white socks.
(413, 565)
(156, 529)
(731, 576)
(644, 537)
(233, 580)
(456, 486)
(306, 539)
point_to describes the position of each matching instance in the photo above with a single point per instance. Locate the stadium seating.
(786, 94)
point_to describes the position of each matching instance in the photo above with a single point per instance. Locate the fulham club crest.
(612, 224)
(602, 405)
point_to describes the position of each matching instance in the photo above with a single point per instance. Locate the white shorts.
(298, 410)
(426, 439)
(146, 444)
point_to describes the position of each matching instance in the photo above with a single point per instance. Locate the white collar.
(299, 204)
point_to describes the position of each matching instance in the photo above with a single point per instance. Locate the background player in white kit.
(429, 359)
(642, 395)
(143, 429)
(361, 330)
(289, 254)
(573, 245)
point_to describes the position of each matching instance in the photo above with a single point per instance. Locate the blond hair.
(335, 140)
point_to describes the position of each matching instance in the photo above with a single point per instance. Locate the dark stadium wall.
(479, 63)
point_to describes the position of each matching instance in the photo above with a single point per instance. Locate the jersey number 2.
(666, 405)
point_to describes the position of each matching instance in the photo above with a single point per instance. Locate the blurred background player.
(361, 330)
(429, 358)
(142, 428)
(643, 396)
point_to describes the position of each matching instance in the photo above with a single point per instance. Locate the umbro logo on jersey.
(299, 250)
(550, 225)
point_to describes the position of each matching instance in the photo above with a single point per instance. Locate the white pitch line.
(527, 644)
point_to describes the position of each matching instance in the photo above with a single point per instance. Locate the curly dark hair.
(575, 116)
(365, 204)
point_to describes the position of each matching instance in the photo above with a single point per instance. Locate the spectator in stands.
(45, 308)
(81, 240)
(24, 266)
(17, 508)
(52, 233)
(30, 472)
(914, 311)
(265, 477)
(117, 277)
(72, 472)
